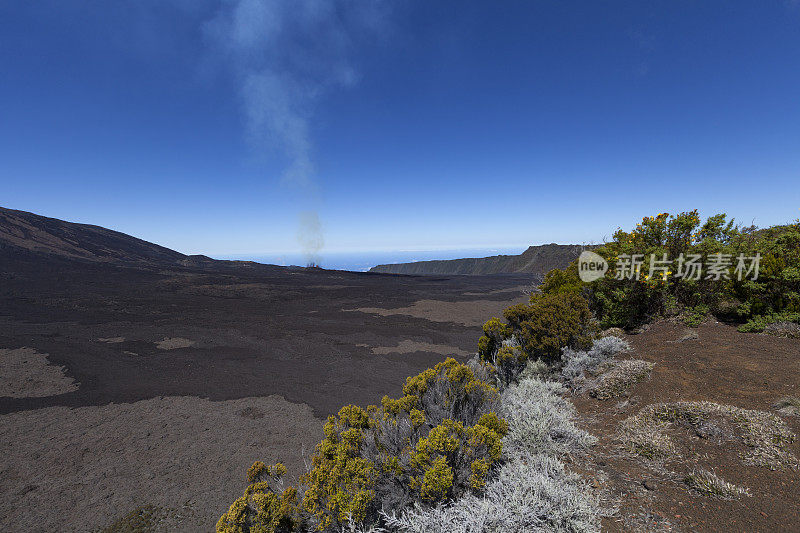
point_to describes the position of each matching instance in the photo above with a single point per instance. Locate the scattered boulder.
(689, 335)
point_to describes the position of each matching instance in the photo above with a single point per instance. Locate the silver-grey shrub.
(577, 363)
(533, 493)
(540, 420)
(609, 346)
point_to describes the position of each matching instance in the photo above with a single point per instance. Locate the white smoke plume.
(310, 236)
(286, 55)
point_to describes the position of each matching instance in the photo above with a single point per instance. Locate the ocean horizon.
(362, 261)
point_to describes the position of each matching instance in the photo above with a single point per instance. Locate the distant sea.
(363, 261)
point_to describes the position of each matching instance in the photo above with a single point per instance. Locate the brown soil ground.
(720, 365)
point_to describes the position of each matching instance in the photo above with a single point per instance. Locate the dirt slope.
(715, 364)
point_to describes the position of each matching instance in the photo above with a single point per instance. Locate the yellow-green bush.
(450, 390)
(454, 458)
(341, 482)
(494, 331)
(262, 509)
(437, 441)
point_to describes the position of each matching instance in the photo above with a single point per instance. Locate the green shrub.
(694, 316)
(554, 322)
(537, 332)
(629, 303)
(757, 324)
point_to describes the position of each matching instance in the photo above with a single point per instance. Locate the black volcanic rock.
(535, 260)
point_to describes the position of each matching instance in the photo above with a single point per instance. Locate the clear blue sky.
(218, 126)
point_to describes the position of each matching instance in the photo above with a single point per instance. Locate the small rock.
(650, 484)
(26, 489)
(706, 430)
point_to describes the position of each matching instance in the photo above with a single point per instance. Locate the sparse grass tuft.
(614, 332)
(620, 378)
(788, 406)
(575, 363)
(709, 483)
(766, 435)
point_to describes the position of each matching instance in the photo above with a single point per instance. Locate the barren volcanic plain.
(154, 383)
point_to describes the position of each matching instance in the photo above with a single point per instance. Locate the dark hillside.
(536, 260)
(22, 232)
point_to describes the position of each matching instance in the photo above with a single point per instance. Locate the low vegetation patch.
(468, 447)
(538, 331)
(533, 491)
(780, 324)
(764, 434)
(576, 364)
(620, 377)
(709, 483)
(140, 520)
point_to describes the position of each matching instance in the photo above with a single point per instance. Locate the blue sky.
(228, 127)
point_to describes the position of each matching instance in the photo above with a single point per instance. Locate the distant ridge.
(536, 260)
